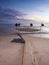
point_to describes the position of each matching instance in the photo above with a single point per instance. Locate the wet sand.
(35, 51)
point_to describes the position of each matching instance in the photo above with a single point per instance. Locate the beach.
(35, 50)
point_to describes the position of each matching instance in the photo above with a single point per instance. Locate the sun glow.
(46, 20)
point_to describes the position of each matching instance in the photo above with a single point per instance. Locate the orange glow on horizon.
(46, 20)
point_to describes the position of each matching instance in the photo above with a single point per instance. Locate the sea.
(6, 29)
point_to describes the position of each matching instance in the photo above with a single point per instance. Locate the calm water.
(7, 29)
(10, 29)
(44, 32)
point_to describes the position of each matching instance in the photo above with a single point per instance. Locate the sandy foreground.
(35, 51)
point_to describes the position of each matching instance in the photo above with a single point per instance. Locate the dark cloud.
(9, 13)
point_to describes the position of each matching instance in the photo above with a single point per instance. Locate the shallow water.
(7, 29)
(10, 29)
(44, 32)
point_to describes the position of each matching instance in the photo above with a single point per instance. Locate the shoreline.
(38, 35)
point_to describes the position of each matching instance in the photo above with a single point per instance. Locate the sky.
(24, 10)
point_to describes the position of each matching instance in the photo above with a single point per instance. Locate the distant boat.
(31, 24)
(42, 24)
(17, 24)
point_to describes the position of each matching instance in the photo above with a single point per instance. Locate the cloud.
(9, 13)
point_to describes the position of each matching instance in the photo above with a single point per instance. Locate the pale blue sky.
(37, 10)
